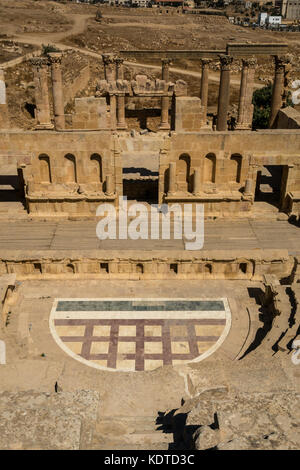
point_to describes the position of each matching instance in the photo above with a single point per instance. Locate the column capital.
(166, 61)
(205, 61)
(226, 61)
(108, 58)
(282, 61)
(55, 58)
(118, 60)
(39, 61)
(249, 62)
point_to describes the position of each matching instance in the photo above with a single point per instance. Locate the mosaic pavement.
(139, 334)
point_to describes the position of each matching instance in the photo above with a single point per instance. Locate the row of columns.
(40, 70)
(245, 109)
(114, 70)
(246, 90)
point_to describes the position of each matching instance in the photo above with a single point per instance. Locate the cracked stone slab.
(56, 421)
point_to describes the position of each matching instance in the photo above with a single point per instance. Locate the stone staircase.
(254, 325)
(286, 322)
(130, 433)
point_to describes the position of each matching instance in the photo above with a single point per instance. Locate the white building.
(273, 20)
(139, 3)
(262, 18)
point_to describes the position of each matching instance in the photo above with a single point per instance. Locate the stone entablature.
(234, 49)
(142, 86)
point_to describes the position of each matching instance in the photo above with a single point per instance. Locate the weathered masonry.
(68, 169)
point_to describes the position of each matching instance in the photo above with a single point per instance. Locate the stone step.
(122, 446)
(254, 325)
(132, 424)
(266, 188)
(130, 432)
(134, 441)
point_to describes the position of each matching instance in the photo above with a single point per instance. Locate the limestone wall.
(251, 265)
(189, 114)
(7, 286)
(225, 161)
(64, 172)
(73, 85)
(288, 118)
(91, 113)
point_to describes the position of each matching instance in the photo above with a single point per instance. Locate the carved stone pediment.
(141, 86)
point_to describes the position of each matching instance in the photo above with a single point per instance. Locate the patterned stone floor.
(139, 334)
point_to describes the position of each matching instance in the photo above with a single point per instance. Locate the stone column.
(172, 179)
(282, 68)
(204, 87)
(109, 67)
(121, 123)
(245, 113)
(197, 179)
(164, 123)
(119, 68)
(57, 90)
(224, 90)
(4, 120)
(164, 120)
(113, 111)
(248, 187)
(165, 63)
(109, 185)
(42, 113)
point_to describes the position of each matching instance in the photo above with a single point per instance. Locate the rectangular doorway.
(271, 185)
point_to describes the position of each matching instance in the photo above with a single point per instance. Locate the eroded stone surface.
(33, 420)
(246, 421)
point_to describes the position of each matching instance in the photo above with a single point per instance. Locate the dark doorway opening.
(12, 195)
(141, 190)
(269, 185)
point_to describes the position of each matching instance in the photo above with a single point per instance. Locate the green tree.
(262, 107)
(49, 48)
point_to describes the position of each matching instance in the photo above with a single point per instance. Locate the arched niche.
(236, 167)
(45, 170)
(183, 173)
(70, 168)
(96, 159)
(70, 268)
(140, 268)
(210, 163)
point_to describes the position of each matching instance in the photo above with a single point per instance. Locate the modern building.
(273, 20)
(262, 17)
(290, 9)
